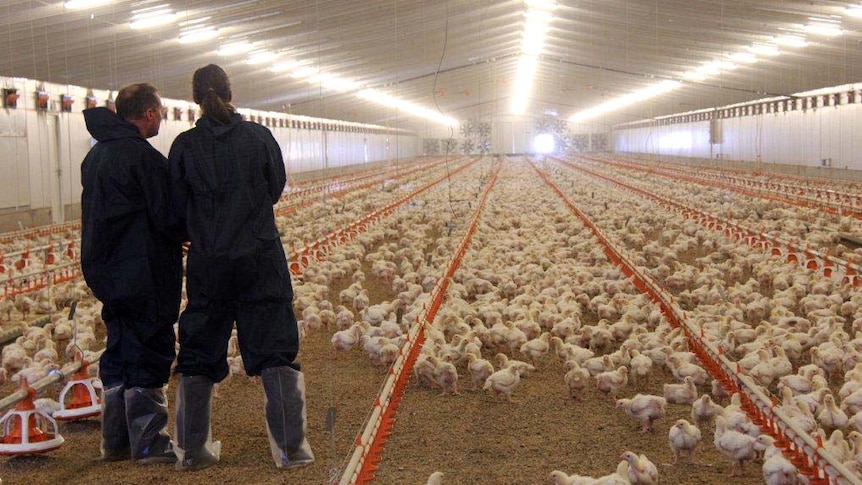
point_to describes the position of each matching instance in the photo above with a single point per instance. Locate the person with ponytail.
(225, 176)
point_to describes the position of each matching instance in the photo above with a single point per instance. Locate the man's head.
(141, 105)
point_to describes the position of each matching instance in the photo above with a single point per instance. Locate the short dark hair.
(134, 100)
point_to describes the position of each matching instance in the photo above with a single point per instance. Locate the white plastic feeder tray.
(27, 430)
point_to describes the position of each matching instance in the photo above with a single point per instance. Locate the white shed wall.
(41, 151)
(802, 137)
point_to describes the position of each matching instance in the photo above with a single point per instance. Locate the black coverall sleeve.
(178, 188)
(152, 175)
(276, 175)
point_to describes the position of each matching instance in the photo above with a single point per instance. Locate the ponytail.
(214, 107)
(211, 90)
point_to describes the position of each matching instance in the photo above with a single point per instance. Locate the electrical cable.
(449, 141)
(437, 105)
(332, 410)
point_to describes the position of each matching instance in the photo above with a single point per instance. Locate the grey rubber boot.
(195, 448)
(284, 390)
(147, 417)
(115, 431)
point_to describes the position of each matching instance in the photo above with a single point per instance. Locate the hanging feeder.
(84, 403)
(27, 430)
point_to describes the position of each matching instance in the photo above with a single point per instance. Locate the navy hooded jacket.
(131, 255)
(225, 180)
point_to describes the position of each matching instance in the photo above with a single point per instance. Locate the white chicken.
(801, 415)
(619, 477)
(797, 383)
(435, 478)
(763, 372)
(838, 447)
(827, 358)
(640, 364)
(480, 369)
(641, 469)
(685, 393)
(6, 307)
(597, 365)
(576, 379)
(445, 376)
(612, 381)
(704, 410)
(344, 340)
(235, 365)
(680, 369)
(24, 304)
(344, 318)
(683, 436)
(830, 415)
(524, 369)
(423, 369)
(536, 348)
(503, 382)
(646, 408)
(854, 422)
(566, 351)
(515, 338)
(777, 470)
(47, 405)
(561, 478)
(62, 331)
(735, 445)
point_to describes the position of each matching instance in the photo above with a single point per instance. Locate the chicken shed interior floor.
(473, 438)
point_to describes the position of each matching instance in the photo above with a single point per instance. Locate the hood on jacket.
(103, 124)
(216, 129)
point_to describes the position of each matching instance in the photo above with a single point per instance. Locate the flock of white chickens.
(39, 337)
(535, 299)
(504, 318)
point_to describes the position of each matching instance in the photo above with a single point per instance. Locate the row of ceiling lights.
(537, 20)
(827, 27)
(191, 31)
(197, 31)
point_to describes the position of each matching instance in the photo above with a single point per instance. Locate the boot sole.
(297, 464)
(114, 459)
(194, 468)
(198, 464)
(116, 455)
(161, 460)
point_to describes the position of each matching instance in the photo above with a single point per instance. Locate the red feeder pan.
(85, 402)
(27, 430)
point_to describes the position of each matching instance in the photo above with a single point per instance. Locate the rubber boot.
(195, 448)
(284, 390)
(115, 431)
(147, 417)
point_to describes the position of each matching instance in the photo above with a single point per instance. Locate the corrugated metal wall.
(805, 137)
(41, 151)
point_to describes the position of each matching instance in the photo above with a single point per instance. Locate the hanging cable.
(331, 414)
(437, 105)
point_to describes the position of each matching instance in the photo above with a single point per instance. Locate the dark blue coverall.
(224, 182)
(131, 255)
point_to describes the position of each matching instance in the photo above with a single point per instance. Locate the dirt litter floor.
(472, 438)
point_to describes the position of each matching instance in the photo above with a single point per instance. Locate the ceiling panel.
(458, 55)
